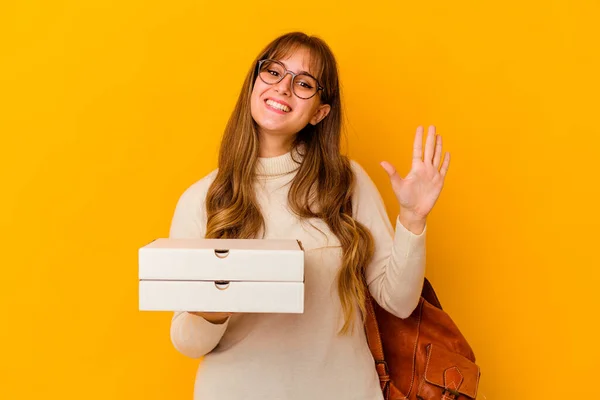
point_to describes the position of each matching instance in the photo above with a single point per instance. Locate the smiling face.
(277, 110)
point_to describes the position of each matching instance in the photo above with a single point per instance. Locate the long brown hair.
(231, 205)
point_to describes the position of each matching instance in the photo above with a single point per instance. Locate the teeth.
(278, 106)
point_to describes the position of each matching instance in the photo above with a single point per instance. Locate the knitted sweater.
(299, 356)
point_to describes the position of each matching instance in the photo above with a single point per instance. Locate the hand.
(418, 192)
(213, 317)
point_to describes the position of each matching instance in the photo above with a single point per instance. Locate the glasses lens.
(271, 72)
(305, 86)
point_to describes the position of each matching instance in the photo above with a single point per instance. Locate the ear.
(320, 113)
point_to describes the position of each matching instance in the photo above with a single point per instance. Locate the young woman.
(281, 175)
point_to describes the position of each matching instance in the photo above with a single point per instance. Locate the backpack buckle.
(385, 366)
(384, 373)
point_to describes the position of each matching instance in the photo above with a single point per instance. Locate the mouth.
(277, 106)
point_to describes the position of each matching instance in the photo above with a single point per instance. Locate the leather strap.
(374, 341)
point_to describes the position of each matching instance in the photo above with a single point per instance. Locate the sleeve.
(192, 335)
(396, 272)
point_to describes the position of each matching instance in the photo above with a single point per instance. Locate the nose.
(284, 86)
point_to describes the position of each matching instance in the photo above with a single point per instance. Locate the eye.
(273, 72)
(305, 85)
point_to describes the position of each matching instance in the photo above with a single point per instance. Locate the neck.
(276, 166)
(274, 145)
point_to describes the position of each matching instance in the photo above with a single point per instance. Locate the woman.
(281, 175)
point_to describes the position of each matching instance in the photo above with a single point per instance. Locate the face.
(297, 112)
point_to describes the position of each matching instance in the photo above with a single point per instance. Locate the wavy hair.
(322, 187)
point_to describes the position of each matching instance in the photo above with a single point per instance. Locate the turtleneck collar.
(269, 167)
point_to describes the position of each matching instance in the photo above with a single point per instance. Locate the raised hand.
(418, 192)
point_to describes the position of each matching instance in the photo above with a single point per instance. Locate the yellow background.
(109, 110)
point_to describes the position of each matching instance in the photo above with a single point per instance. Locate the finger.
(445, 165)
(418, 145)
(437, 157)
(429, 145)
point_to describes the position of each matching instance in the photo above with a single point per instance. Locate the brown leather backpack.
(422, 357)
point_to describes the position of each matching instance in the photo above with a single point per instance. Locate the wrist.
(414, 223)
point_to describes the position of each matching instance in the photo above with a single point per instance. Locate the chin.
(267, 125)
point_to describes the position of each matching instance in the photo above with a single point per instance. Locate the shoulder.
(189, 218)
(363, 180)
(195, 194)
(358, 169)
(365, 195)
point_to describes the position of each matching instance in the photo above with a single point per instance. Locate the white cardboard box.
(226, 275)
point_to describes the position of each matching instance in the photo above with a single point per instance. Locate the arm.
(191, 334)
(396, 272)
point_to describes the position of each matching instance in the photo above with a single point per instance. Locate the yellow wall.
(109, 110)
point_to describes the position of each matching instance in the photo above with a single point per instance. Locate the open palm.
(418, 192)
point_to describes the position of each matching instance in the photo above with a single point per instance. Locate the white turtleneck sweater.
(299, 356)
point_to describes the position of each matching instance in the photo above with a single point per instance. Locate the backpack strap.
(374, 341)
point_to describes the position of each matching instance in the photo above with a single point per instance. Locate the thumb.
(389, 168)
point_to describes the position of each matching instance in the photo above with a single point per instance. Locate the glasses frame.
(294, 75)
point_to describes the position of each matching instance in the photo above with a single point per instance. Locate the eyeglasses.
(303, 84)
